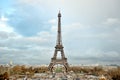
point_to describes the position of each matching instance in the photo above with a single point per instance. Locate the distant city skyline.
(90, 31)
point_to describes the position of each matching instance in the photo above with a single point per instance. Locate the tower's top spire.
(59, 40)
(59, 14)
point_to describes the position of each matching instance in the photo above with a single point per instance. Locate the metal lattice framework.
(59, 48)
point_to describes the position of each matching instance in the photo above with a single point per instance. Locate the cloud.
(6, 31)
(24, 56)
(112, 21)
(90, 31)
(3, 18)
(22, 49)
(97, 56)
(52, 21)
(79, 38)
(41, 46)
(4, 26)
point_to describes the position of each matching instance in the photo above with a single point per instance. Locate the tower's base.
(55, 61)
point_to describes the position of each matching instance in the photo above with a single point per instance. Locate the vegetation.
(87, 70)
(22, 70)
(4, 76)
(58, 69)
(115, 74)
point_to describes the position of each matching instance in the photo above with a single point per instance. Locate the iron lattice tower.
(59, 48)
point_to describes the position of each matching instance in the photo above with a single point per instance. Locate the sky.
(90, 31)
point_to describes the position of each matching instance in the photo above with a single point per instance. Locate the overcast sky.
(90, 31)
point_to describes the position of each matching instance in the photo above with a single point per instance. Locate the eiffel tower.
(59, 48)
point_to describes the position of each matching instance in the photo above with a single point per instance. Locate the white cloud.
(82, 30)
(112, 21)
(6, 31)
(93, 56)
(3, 18)
(40, 46)
(87, 11)
(52, 21)
(76, 37)
(101, 54)
(9, 35)
(4, 26)
(22, 49)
